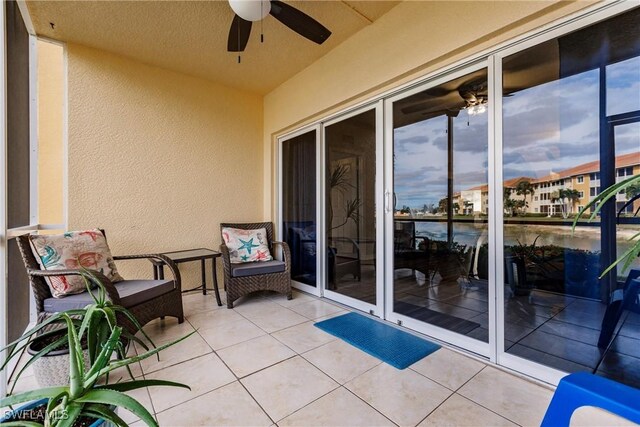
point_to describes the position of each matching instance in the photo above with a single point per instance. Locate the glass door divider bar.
(496, 299)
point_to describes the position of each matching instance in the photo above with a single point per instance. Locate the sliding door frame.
(470, 344)
(378, 308)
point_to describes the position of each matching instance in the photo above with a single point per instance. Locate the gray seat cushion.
(132, 292)
(254, 268)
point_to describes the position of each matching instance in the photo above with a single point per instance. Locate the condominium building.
(584, 178)
(476, 199)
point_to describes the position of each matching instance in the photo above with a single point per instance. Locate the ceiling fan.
(473, 97)
(249, 11)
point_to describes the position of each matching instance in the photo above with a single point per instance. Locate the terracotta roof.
(511, 183)
(622, 161)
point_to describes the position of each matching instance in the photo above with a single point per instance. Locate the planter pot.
(30, 406)
(52, 369)
(449, 267)
(516, 276)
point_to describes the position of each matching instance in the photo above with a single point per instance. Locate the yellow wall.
(411, 40)
(158, 158)
(50, 123)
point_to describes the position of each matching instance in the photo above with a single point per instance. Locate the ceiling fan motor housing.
(251, 10)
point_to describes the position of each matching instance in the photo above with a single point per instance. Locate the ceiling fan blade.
(299, 22)
(238, 34)
(438, 91)
(416, 108)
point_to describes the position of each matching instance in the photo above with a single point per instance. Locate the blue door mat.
(393, 346)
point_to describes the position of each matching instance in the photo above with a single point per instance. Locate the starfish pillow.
(246, 245)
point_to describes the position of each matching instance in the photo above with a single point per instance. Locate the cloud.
(548, 114)
(549, 127)
(472, 138)
(466, 180)
(410, 175)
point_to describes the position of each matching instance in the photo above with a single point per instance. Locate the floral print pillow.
(73, 250)
(246, 245)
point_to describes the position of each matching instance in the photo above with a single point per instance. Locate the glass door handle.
(387, 201)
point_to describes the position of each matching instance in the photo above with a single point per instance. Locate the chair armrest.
(286, 254)
(163, 258)
(108, 285)
(356, 246)
(424, 239)
(226, 261)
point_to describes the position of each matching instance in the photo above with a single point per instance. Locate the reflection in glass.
(299, 205)
(440, 143)
(350, 203)
(559, 152)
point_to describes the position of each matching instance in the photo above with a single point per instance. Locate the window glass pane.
(350, 202)
(623, 89)
(299, 205)
(556, 139)
(440, 143)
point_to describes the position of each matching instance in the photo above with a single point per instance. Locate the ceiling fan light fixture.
(477, 109)
(251, 10)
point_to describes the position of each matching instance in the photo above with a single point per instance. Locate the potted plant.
(87, 398)
(449, 260)
(46, 342)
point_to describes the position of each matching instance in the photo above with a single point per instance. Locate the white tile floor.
(264, 363)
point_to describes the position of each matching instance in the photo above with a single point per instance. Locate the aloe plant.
(96, 322)
(628, 184)
(84, 395)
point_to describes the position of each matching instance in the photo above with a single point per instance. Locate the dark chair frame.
(168, 304)
(411, 251)
(237, 287)
(342, 264)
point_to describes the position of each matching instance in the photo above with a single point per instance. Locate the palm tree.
(525, 188)
(567, 195)
(508, 202)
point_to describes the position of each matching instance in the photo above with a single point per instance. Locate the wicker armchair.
(145, 305)
(238, 286)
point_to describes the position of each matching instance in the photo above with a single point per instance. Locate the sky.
(546, 128)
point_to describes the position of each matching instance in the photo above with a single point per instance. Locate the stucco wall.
(50, 122)
(411, 40)
(158, 158)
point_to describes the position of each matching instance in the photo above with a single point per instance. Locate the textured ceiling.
(191, 36)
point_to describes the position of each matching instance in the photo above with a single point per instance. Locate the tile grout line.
(237, 379)
(368, 404)
(188, 360)
(313, 401)
(480, 404)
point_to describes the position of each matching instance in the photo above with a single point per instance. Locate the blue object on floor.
(583, 389)
(391, 345)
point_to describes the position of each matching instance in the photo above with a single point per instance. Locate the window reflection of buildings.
(584, 178)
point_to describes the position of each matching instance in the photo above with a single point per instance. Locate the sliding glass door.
(299, 206)
(353, 236)
(447, 206)
(438, 251)
(571, 128)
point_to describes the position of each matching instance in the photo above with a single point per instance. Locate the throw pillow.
(73, 250)
(246, 245)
